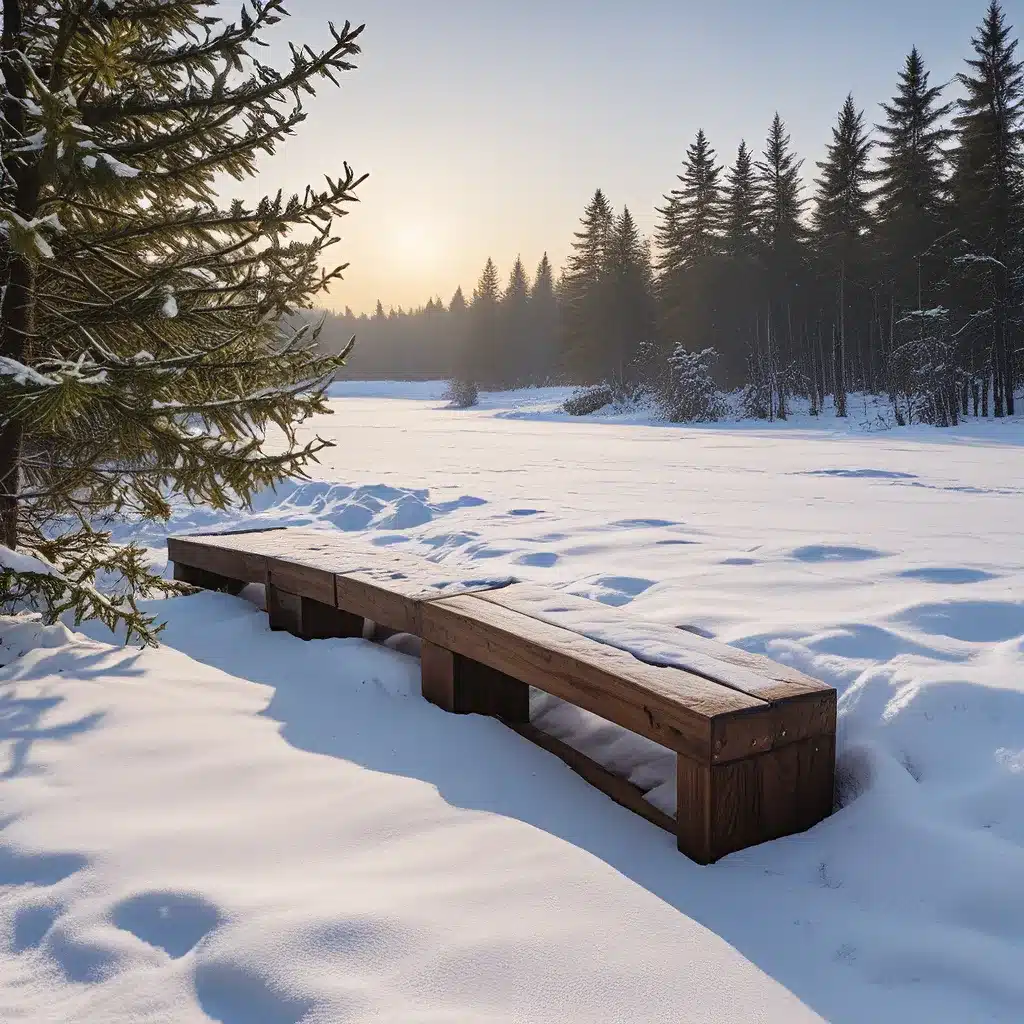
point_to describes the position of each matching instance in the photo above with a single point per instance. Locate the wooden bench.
(755, 740)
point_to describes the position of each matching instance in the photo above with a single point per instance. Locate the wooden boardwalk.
(755, 740)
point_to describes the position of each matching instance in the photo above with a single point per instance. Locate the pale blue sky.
(487, 126)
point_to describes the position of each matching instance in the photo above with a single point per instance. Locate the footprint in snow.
(172, 921)
(838, 553)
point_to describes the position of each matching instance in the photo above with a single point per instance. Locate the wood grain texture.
(392, 600)
(304, 580)
(722, 808)
(437, 675)
(227, 562)
(621, 791)
(329, 551)
(758, 676)
(668, 706)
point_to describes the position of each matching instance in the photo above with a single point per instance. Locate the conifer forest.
(894, 266)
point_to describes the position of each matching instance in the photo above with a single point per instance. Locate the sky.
(486, 126)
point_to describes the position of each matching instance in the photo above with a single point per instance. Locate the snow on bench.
(755, 740)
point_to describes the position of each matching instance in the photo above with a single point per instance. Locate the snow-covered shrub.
(461, 394)
(587, 400)
(925, 382)
(632, 396)
(692, 395)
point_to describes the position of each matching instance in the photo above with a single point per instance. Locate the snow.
(23, 374)
(121, 170)
(243, 827)
(18, 561)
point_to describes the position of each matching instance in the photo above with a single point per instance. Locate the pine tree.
(628, 305)
(484, 332)
(700, 205)
(691, 218)
(911, 173)
(778, 176)
(691, 232)
(841, 217)
(989, 128)
(515, 301)
(741, 204)
(487, 291)
(782, 236)
(987, 186)
(581, 287)
(544, 323)
(144, 327)
(590, 244)
(841, 222)
(666, 235)
(911, 215)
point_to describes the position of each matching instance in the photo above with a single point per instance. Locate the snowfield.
(245, 828)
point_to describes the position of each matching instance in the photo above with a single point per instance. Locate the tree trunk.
(17, 324)
(841, 362)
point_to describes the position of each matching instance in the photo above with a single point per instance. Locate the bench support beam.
(206, 580)
(309, 619)
(467, 687)
(721, 808)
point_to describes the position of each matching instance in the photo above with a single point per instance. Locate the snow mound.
(301, 838)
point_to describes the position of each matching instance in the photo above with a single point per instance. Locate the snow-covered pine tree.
(692, 396)
(142, 352)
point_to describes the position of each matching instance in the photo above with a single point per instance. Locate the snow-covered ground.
(245, 828)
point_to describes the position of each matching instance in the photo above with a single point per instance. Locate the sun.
(415, 243)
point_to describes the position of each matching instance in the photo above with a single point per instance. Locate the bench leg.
(309, 619)
(727, 807)
(466, 687)
(207, 580)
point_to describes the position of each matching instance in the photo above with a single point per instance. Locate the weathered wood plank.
(249, 552)
(618, 789)
(231, 563)
(683, 712)
(304, 580)
(658, 643)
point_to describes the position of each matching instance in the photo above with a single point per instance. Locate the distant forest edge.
(898, 270)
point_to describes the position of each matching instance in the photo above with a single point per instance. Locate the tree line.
(896, 269)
